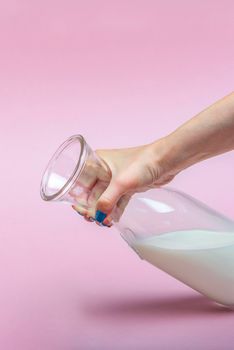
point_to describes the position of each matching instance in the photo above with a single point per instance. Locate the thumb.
(108, 200)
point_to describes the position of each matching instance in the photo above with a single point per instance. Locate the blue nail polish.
(100, 216)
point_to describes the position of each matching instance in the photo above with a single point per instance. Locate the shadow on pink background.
(122, 73)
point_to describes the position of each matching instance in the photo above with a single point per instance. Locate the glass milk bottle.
(165, 227)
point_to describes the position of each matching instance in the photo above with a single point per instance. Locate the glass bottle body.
(168, 228)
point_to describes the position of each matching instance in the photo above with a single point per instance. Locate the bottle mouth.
(63, 168)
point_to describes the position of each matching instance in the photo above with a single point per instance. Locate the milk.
(204, 260)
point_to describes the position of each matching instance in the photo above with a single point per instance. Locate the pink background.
(121, 73)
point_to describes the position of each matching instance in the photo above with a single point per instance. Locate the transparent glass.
(168, 228)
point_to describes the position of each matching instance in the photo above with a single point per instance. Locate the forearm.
(208, 134)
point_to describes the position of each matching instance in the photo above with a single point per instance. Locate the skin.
(138, 169)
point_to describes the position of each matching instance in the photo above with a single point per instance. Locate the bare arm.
(208, 134)
(137, 169)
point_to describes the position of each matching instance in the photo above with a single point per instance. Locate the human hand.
(130, 170)
(138, 169)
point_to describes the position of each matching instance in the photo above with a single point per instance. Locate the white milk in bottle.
(204, 260)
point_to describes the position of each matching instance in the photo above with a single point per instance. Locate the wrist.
(168, 156)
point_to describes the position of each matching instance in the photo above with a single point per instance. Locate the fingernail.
(108, 225)
(98, 223)
(100, 216)
(78, 212)
(88, 218)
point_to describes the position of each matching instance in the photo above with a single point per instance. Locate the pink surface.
(121, 73)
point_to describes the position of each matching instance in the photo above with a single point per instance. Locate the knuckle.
(105, 204)
(127, 183)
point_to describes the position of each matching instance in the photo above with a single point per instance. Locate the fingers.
(90, 200)
(92, 172)
(110, 196)
(81, 201)
(94, 195)
(92, 182)
(105, 223)
(102, 198)
(121, 205)
(108, 200)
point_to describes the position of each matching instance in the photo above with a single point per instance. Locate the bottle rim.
(77, 170)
